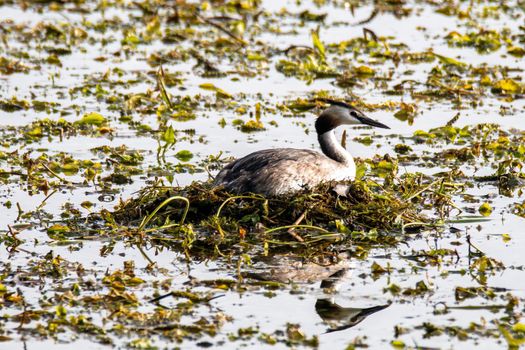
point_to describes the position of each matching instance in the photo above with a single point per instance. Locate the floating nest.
(363, 211)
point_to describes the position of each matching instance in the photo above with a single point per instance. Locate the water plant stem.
(148, 218)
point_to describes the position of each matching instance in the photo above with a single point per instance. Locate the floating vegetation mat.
(357, 212)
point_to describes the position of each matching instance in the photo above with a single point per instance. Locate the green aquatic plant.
(348, 211)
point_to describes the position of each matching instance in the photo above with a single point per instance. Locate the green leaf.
(514, 343)
(162, 87)
(516, 51)
(61, 311)
(184, 155)
(72, 167)
(360, 171)
(509, 86)
(318, 44)
(450, 61)
(92, 118)
(169, 136)
(365, 70)
(35, 132)
(252, 125)
(57, 228)
(220, 92)
(153, 27)
(398, 344)
(485, 209)
(519, 327)
(378, 269)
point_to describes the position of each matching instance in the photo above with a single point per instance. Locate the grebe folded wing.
(277, 171)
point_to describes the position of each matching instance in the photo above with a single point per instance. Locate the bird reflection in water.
(340, 318)
(287, 269)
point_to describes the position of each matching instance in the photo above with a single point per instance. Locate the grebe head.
(340, 113)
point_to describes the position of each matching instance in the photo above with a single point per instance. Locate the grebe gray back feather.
(279, 171)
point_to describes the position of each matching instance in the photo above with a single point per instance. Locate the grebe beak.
(367, 121)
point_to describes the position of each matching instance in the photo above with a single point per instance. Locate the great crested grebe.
(274, 172)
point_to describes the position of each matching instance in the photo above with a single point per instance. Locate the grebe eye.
(353, 114)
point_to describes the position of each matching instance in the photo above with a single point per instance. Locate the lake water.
(107, 59)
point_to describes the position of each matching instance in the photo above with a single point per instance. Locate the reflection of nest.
(297, 269)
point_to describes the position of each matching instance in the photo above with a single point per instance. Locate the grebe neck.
(333, 149)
